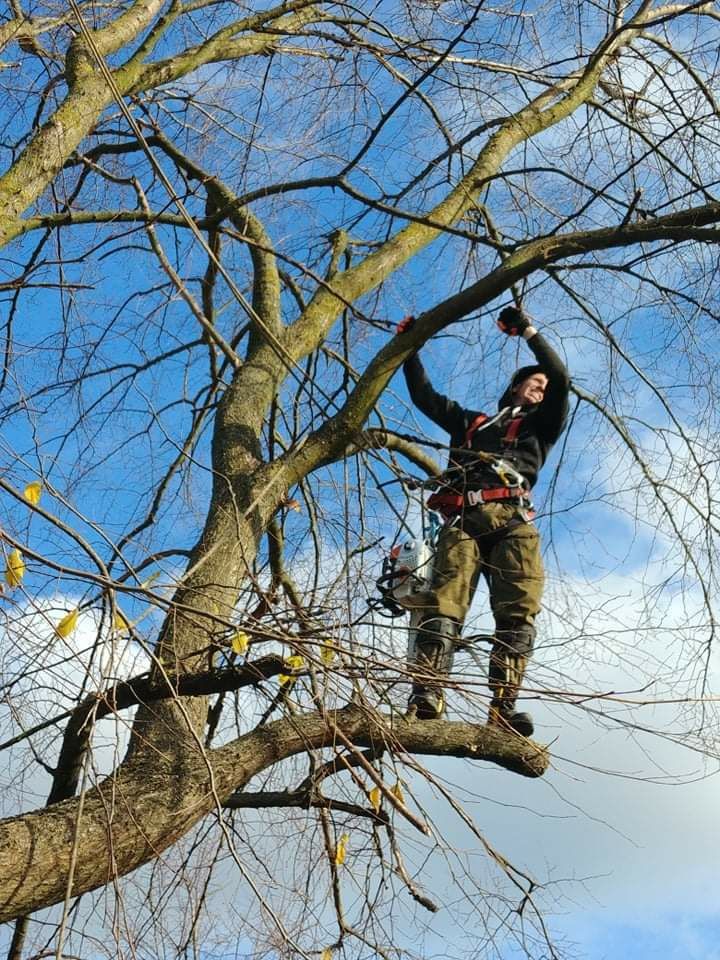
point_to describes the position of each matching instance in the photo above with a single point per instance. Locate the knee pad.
(516, 640)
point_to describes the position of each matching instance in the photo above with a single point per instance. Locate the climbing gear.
(517, 639)
(405, 586)
(511, 434)
(505, 676)
(407, 571)
(514, 487)
(509, 476)
(451, 504)
(472, 498)
(482, 422)
(433, 660)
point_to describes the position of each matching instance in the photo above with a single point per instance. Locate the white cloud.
(45, 675)
(623, 828)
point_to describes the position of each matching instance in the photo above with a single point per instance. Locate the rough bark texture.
(153, 800)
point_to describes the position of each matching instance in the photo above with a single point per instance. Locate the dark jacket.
(540, 425)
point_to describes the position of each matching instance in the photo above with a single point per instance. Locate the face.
(531, 390)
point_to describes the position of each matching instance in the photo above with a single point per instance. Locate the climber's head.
(526, 388)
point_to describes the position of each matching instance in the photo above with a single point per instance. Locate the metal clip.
(509, 476)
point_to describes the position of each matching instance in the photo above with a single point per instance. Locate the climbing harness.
(513, 488)
(482, 421)
(450, 504)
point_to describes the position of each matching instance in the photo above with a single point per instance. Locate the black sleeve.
(445, 413)
(553, 411)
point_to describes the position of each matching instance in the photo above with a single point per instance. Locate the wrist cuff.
(529, 332)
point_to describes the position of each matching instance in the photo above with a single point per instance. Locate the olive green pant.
(496, 541)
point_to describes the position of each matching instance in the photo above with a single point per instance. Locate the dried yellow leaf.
(240, 642)
(294, 663)
(397, 792)
(67, 624)
(375, 796)
(15, 569)
(341, 849)
(33, 492)
(326, 954)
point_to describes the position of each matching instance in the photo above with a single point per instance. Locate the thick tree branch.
(375, 438)
(154, 801)
(89, 95)
(225, 46)
(80, 60)
(541, 114)
(330, 441)
(146, 690)
(21, 28)
(266, 280)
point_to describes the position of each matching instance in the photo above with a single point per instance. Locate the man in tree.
(485, 499)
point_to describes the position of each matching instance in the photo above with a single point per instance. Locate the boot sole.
(520, 724)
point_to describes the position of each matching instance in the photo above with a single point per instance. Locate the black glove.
(513, 322)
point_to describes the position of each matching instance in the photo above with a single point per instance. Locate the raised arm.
(553, 410)
(444, 412)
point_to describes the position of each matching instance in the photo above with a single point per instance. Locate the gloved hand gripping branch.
(514, 323)
(405, 325)
(511, 321)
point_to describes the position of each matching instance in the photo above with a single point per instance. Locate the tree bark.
(152, 800)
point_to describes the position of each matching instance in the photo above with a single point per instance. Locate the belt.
(456, 502)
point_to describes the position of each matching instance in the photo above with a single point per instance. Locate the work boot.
(505, 679)
(434, 654)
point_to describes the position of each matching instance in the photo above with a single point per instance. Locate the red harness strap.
(452, 503)
(446, 503)
(477, 422)
(511, 434)
(495, 493)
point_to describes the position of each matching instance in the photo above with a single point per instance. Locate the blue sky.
(631, 863)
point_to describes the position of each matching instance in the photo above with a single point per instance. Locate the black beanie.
(522, 374)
